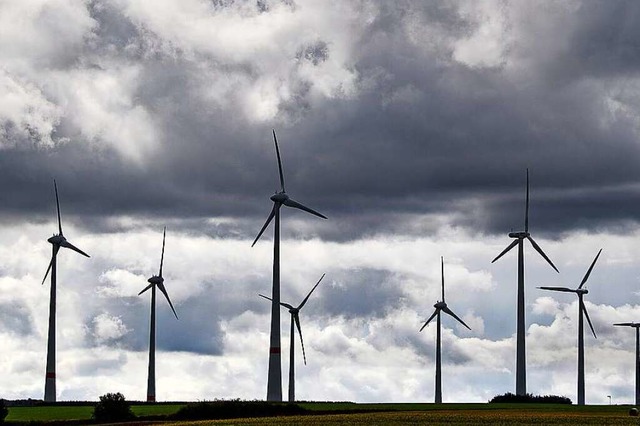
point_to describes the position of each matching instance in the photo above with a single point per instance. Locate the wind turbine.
(440, 306)
(274, 380)
(519, 237)
(635, 325)
(582, 312)
(155, 281)
(295, 318)
(57, 241)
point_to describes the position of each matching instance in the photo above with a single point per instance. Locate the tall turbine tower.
(155, 281)
(274, 380)
(57, 241)
(519, 237)
(582, 312)
(635, 325)
(440, 306)
(295, 318)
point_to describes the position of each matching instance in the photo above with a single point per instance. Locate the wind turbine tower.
(57, 241)
(155, 281)
(280, 198)
(519, 237)
(635, 325)
(582, 312)
(295, 319)
(440, 306)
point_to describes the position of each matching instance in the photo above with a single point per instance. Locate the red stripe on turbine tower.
(51, 375)
(274, 350)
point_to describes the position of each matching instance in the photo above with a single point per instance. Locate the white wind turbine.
(521, 364)
(274, 379)
(57, 241)
(295, 319)
(440, 306)
(582, 313)
(155, 281)
(635, 325)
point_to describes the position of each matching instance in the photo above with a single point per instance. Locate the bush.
(112, 408)
(236, 409)
(4, 411)
(529, 398)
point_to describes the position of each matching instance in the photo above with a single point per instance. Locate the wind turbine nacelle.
(57, 239)
(280, 197)
(440, 305)
(581, 291)
(520, 235)
(156, 280)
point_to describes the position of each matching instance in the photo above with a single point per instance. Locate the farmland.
(377, 414)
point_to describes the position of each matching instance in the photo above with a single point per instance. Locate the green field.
(374, 414)
(81, 412)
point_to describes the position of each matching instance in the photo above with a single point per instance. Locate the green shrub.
(112, 408)
(236, 409)
(4, 411)
(529, 398)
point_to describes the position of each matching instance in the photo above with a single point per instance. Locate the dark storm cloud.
(15, 317)
(423, 134)
(362, 293)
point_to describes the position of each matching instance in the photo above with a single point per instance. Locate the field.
(375, 414)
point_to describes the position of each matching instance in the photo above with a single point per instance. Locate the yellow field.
(442, 417)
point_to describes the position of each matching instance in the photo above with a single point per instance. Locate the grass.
(374, 414)
(81, 412)
(530, 416)
(446, 416)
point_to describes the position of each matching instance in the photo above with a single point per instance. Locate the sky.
(409, 124)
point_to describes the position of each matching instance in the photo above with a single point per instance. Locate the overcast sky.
(409, 124)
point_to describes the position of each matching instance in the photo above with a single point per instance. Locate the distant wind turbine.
(440, 306)
(57, 241)
(274, 380)
(521, 365)
(635, 325)
(295, 318)
(155, 281)
(582, 312)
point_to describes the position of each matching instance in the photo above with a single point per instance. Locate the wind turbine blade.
(145, 289)
(164, 233)
(442, 267)
(55, 187)
(586, 314)
(564, 289)
(48, 269)
(269, 219)
(268, 298)
(290, 203)
(164, 291)
(586, 276)
(67, 244)
(297, 320)
(450, 312)
(307, 298)
(625, 324)
(275, 140)
(539, 250)
(509, 247)
(430, 318)
(526, 211)
(286, 305)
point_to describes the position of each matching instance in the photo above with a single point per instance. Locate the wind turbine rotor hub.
(521, 235)
(57, 239)
(581, 291)
(440, 305)
(279, 197)
(156, 280)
